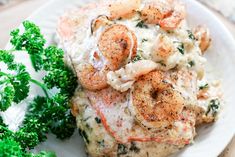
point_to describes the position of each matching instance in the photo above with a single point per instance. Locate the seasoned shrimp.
(172, 21)
(154, 11)
(168, 14)
(202, 34)
(92, 78)
(155, 102)
(123, 8)
(124, 129)
(117, 43)
(163, 48)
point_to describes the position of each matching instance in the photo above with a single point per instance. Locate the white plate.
(211, 140)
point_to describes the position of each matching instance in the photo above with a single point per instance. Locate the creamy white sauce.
(121, 118)
(123, 79)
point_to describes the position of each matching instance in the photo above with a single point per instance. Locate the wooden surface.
(12, 14)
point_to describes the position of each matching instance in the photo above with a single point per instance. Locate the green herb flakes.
(191, 63)
(98, 120)
(181, 48)
(144, 40)
(205, 86)
(50, 113)
(137, 58)
(84, 135)
(190, 35)
(122, 149)
(101, 143)
(213, 107)
(141, 24)
(134, 148)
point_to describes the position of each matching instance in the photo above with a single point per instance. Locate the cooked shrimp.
(202, 34)
(163, 48)
(123, 8)
(100, 21)
(117, 43)
(173, 21)
(123, 79)
(92, 78)
(156, 105)
(154, 11)
(168, 14)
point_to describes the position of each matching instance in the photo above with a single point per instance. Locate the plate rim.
(200, 5)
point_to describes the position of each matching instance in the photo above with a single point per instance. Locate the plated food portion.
(144, 88)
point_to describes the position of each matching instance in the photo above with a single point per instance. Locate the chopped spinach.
(134, 148)
(191, 63)
(181, 48)
(205, 86)
(190, 35)
(213, 107)
(101, 143)
(84, 135)
(122, 149)
(137, 58)
(98, 120)
(144, 40)
(141, 24)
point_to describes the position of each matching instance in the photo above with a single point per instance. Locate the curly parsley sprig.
(31, 41)
(50, 113)
(14, 87)
(11, 148)
(58, 75)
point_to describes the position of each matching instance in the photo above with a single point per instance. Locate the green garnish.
(191, 63)
(181, 48)
(49, 113)
(144, 40)
(32, 41)
(213, 107)
(122, 149)
(205, 86)
(134, 148)
(1, 122)
(14, 144)
(190, 35)
(101, 143)
(14, 86)
(136, 58)
(83, 134)
(141, 24)
(9, 147)
(98, 120)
